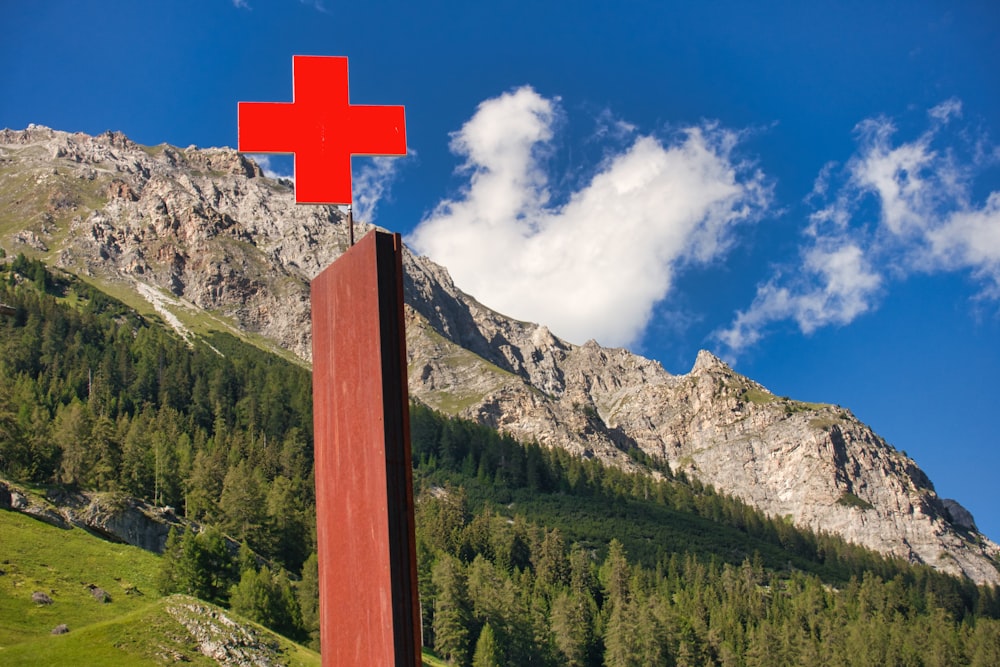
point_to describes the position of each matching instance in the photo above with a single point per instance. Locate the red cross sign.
(322, 128)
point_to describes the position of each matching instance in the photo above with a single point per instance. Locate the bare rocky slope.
(202, 237)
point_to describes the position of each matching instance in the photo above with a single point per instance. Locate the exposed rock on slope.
(118, 518)
(212, 239)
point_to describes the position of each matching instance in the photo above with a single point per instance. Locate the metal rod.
(350, 221)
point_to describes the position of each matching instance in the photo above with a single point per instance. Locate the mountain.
(202, 237)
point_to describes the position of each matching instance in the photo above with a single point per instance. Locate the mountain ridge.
(209, 236)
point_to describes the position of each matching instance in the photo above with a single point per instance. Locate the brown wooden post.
(369, 608)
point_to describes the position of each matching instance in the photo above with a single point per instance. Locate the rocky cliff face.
(116, 518)
(202, 237)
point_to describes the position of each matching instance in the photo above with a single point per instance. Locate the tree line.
(526, 555)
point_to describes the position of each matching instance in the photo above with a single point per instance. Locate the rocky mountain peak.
(707, 362)
(205, 239)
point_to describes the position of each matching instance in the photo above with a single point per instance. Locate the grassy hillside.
(156, 635)
(136, 627)
(148, 636)
(64, 564)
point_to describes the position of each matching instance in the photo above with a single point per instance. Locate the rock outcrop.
(201, 234)
(115, 517)
(223, 639)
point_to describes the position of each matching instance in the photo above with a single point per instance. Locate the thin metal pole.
(350, 221)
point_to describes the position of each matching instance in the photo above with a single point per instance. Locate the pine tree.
(615, 574)
(14, 452)
(488, 653)
(308, 595)
(572, 619)
(267, 598)
(71, 433)
(204, 485)
(242, 502)
(287, 533)
(197, 564)
(551, 566)
(452, 613)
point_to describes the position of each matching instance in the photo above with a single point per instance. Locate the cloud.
(971, 239)
(371, 184)
(947, 110)
(837, 284)
(920, 194)
(270, 169)
(318, 5)
(594, 266)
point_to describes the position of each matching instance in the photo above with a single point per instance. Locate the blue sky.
(813, 194)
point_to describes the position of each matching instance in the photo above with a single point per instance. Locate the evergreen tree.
(308, 595)
(197, 564)
(615, 574)
(204, 486)
(551, 566)
(287, 533)
(267, 598)
(15, 456)
(572, 619)
(487, 652)
(71, 433)
(452, 613)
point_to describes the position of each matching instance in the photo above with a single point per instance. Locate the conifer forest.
(526, 555)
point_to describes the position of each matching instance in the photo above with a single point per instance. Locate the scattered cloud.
(610, 126)
(951, 108)
(318, 5)
(836, 285)
(595, 266)
(371, 184)
(270, 168)
(920, 194)
(971, 239)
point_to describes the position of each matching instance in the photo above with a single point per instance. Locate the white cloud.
(263, 160)
(971, 239)
(837, 284)
(595, 266)
(926, 222)
(947, 110)
(898, 176)
(371, 184)
(318, 5)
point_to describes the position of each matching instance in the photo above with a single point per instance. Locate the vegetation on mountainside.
(526, 555)
(64, 564)
(127, 624)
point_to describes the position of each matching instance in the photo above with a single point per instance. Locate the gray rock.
(958, 515)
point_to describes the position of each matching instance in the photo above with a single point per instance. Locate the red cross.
(322, 128)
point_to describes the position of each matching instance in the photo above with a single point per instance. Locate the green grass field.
(135, 628)
(63, 564)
